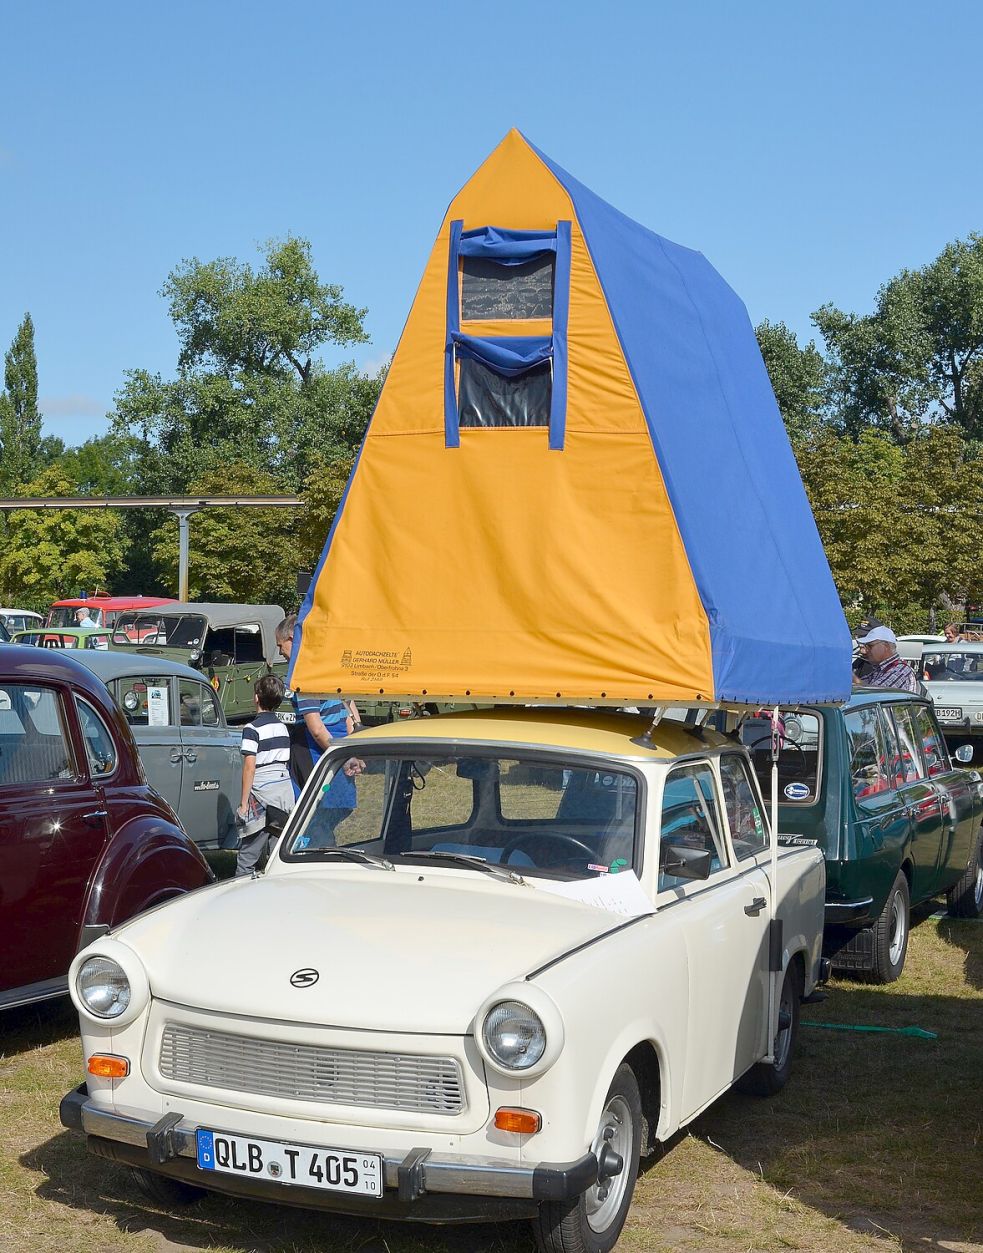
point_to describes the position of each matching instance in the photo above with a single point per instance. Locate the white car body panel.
(407, 957)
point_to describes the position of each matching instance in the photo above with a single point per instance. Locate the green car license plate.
(331, 1170)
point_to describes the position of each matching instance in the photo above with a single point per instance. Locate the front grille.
(311, 1072)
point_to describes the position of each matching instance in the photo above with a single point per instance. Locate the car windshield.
(946, 665)
(163, 630)
(65, 616)
(530, 815)
(798, 757)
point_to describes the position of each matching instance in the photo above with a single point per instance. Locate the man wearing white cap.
(880, 647)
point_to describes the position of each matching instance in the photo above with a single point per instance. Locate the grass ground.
(874, 1145)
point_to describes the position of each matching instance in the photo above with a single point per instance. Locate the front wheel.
(965, 898)
(768, 1078)
(593, 1222)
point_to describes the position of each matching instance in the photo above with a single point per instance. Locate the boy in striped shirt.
(265, 752)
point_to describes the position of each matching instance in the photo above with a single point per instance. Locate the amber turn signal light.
(108, 1066)
(525, 1122)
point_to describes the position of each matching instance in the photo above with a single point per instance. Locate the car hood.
(409, 950)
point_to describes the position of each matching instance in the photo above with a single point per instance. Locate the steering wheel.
(797, 766)
(578, 846)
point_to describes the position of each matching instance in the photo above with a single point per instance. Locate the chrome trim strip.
(465, 1175)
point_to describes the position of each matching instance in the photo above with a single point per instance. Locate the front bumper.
(417, 1185)
(839, 913)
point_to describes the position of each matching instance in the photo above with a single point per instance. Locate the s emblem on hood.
(305, 978)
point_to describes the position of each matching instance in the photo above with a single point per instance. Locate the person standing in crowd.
(265, 773)
(317, 721)
(952, 633)
(879, 646)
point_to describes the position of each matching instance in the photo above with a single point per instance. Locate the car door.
(52, 831)
(922, 800)
(212, 773)
(883, 823)
(147, 700)
(250, 663)
(725, 925)
(958, 797)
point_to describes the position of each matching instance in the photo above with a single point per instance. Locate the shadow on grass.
(878, 1131)
(36, 1026)
(71, 1176)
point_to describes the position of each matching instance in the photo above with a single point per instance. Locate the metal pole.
(182, 516)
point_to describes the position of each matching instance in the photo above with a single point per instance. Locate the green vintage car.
(233, 645)
(872, 784)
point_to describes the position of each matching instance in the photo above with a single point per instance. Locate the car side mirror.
(686, 863)
(964, 754)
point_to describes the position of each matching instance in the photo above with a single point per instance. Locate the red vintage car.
(85, 842)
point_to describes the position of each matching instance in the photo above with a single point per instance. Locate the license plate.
(947, 711)
(288, 716)
(332, 1170)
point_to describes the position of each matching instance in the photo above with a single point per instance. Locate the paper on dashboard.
(617, 893)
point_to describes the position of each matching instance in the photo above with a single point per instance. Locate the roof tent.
(576, 485)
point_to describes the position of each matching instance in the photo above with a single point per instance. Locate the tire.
(164, 1191)
(593, 1222)
(965, 898)
(768, 1078)
(891, 933)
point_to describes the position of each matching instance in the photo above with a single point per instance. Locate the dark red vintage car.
(85, 842)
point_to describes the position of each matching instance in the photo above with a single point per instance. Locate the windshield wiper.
(358, 855)
(470, 861)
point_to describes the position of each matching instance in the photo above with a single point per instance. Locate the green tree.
(20, 420)
(902, 525)
(798, 377)
(250, 388)
(51, 553)
(919, 355)
(322, 493)
(246, 554)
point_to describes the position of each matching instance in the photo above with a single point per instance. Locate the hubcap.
(614, 1136)
(783, 1036)
(898, 930)
(978, 894)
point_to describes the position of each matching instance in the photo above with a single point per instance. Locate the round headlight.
(103, 987)
(514, 1035)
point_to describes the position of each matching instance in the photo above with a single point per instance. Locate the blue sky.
(809, 150)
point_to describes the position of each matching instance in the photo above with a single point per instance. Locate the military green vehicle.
(233, 645)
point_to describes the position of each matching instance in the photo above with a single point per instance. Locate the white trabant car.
(494, 959)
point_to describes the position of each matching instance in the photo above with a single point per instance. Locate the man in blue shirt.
(317, 721)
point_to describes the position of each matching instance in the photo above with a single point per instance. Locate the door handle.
(191, 756)
(756, 906)
(95, 813)
(176, 756)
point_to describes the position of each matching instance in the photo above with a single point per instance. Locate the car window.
(34, 745)
(869, 762)
(198, 705)
(145, 700)
(748, 832)
(798, 756)
(690, 818)
(100, 747)
(248, 644)
(220, 646)
(531, 815)
(942, 665)
(933, 745)
(908, 760)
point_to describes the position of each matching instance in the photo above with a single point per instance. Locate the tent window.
(493, 290)
(486, 398)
